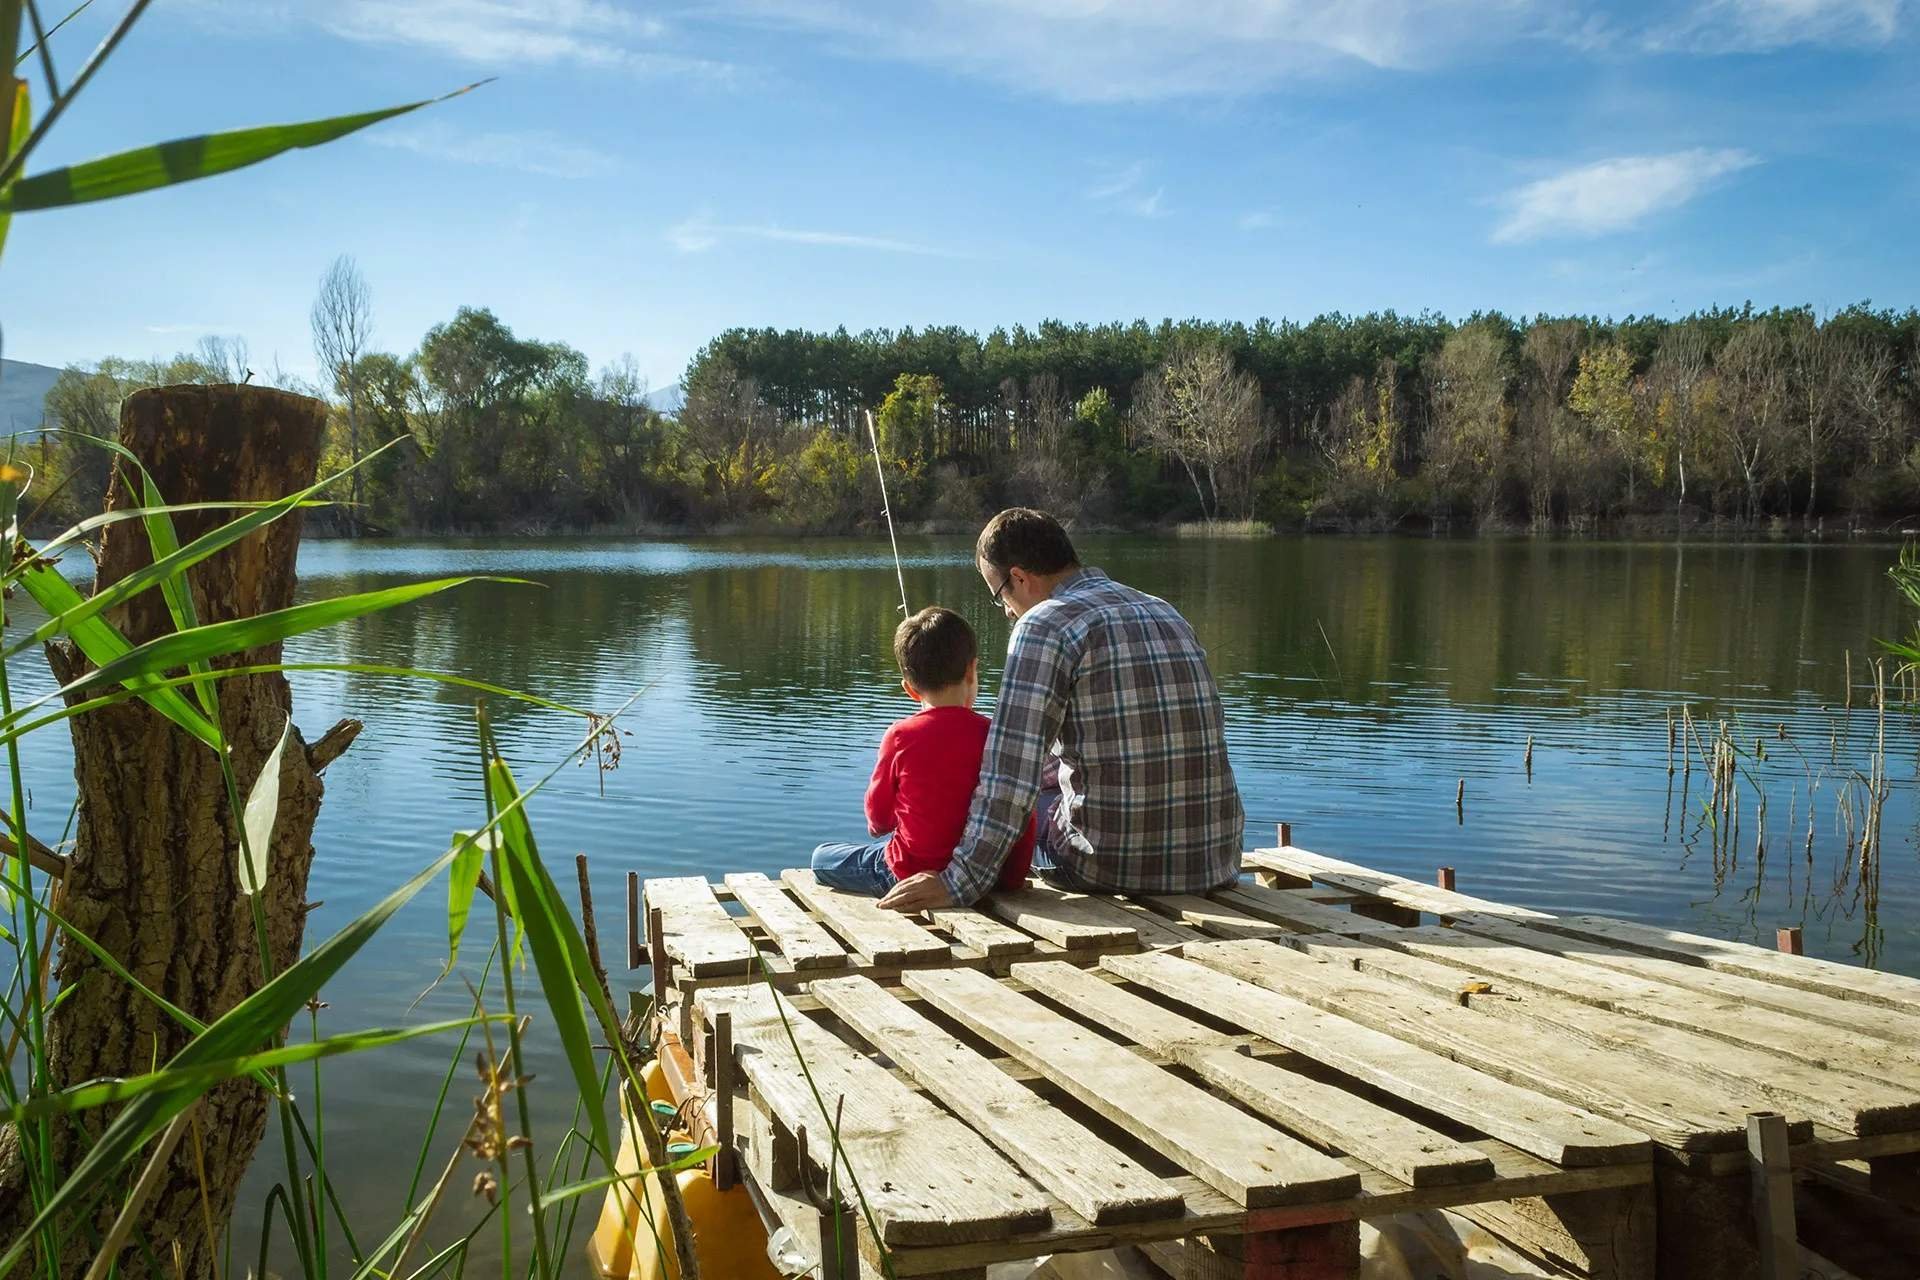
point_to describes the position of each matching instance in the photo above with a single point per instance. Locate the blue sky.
(640, 177)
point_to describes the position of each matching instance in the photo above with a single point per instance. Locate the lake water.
(1363, 680)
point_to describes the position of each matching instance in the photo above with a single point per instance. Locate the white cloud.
(1758, 26)
(698, 234)
(493, 33)
(1612, 195)
(1258, 220)
(529, 151)
(1119, 50)
(1125, 188)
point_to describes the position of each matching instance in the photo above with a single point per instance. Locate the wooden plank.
(1097, 1182)
(801, 940)
(1737, 1022)
(1876, 1020)
(1329, 1116)
(1853, 1104)
(1064, 919)
(1154, 930)
(1674, 1108)
(1828, 977)
(901, 1148)
(1354, 878)
(700, 937)
(1220, 919)
(882, 937)
(1299, 915)
(1252, 1164)
(981, 932)
(1542, 1126)
(1323, 1114)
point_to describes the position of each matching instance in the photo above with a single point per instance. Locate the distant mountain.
(23, 390)
(667, 399)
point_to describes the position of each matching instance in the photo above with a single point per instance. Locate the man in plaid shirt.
(1107, 693)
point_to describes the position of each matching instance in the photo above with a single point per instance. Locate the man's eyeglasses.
(1001, 590)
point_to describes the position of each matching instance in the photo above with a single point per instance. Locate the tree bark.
(153, 876)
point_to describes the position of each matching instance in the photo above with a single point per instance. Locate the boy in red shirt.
(929, 763)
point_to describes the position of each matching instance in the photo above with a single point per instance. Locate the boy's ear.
(906, 686)
(973, 670)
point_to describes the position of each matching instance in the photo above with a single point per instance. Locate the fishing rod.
(886, 509)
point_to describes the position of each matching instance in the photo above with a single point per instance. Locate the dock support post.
(657, 946)
(1789, 940)
(720, 1066)
(1772, 1181)
(1445, 879)
(1327, 1251)
(633, 920)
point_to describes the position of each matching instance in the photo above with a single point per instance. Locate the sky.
(635, 177)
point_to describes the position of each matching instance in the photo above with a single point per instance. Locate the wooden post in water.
(154, 874)
(1446, 879)
(1789, 940)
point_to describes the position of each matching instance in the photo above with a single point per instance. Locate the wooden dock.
(1234, 1081)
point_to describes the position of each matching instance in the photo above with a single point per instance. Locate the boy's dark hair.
(933, 648)
(1022, 538)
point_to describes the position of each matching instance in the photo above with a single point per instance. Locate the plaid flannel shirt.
(1113, 683)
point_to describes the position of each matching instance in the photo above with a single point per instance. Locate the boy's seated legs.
(854, 868)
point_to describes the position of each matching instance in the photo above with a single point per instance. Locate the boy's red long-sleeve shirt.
(922, 786)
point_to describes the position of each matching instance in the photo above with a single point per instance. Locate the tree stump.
(153, 876)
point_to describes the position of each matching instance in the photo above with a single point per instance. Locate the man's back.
(1148, 801)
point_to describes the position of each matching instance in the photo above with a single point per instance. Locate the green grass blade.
(167, 164)
(103, 644)
(560, 1195)
(203, 1076)
(70, 536)
(151, 660)
(461, 884)
(547, 923)
(21, 117)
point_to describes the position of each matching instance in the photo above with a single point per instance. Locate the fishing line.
(886, 509)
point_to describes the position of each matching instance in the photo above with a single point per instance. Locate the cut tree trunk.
(153, 876)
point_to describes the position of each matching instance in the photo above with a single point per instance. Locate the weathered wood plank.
(1737, 1022)
(1097, 1182)
(1254, 1165)
(1299, 915)
(1534, 1123)
(701, 938)
(1064, 919)
(1329, 1116)
(883, 937)
(1842, 981)
(1221, 919)
(799, 936)
(1150, 1025)
(1852, 1104)
(902, 1149)
(1877, 1020)
(981, 932)
(1354, 878)
(1675, 1108)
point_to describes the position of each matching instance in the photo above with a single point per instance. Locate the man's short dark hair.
(1022, 538)
(933, 648)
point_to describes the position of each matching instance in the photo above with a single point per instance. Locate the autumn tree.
(342, 322)
(1467, 440)
(1603, 395)
(1205, 414)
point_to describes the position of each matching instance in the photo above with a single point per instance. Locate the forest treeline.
(1344, 421)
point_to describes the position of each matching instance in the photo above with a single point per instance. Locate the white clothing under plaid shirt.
(1113, 682)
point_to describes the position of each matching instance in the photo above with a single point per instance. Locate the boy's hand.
(922, 891)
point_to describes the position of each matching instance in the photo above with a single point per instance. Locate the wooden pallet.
(1321, 1044)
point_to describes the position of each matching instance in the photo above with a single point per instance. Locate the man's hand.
(922, 891)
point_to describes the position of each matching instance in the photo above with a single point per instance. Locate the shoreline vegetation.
(1730, 421)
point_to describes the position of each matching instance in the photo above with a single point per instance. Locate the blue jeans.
(1044, 864)
(854, 868)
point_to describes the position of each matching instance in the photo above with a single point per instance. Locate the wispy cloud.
(1122, 50)
(1759, 26)
(1125, 188)
(529, 151)
(1612, 195)
(1256, 220)
(698, 234)
(491, 33)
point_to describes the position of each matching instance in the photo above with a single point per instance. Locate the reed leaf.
(462, 881)
(148, 661)
(166, 164)
(20, 116)
(256, 825)
(252, 1022)
(200, 1078)
(103, 644)
(564, 972)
